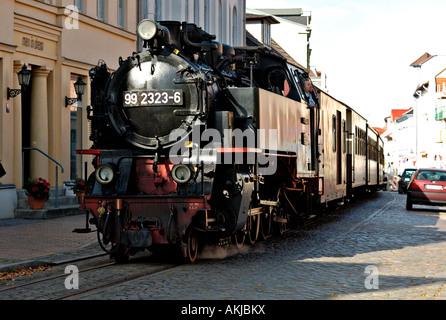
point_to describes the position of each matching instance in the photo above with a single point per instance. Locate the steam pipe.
(204, 46)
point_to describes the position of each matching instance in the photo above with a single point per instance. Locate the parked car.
(428, 187)
(405, 179)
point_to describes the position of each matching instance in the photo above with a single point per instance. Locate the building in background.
(399, 137)
(223, 18)
(59, 41)
(429, 110)
(289, 30)
(415, 136)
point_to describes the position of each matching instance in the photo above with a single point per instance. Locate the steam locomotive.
(196, 142)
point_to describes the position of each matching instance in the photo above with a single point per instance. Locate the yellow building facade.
(58, 41)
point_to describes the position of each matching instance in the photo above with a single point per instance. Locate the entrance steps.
(67, 205)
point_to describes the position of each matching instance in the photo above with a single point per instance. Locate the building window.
(221, 20)
(207, 22)
(79, 4)
(159, 10)
(234, 27)
(144, 9)
(121, 13)
(197, 11)
(101, 9)
(266, 33)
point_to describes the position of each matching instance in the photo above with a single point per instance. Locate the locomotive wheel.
(120, 255)
(252, 226)
(192, 245)
(238, 239)
(265, 226)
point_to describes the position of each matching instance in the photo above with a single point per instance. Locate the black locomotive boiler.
(197, 142)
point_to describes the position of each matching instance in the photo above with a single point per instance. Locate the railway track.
(76, 293)
(93, 274)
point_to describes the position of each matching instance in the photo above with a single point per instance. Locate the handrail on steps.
(49, 157)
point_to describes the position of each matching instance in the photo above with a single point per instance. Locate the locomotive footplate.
(136, 238)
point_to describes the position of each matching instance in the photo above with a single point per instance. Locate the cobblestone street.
(373, 249)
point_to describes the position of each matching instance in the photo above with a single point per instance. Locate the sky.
(366, 48)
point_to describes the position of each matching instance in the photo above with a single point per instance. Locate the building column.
(17, 132)
(39, 123)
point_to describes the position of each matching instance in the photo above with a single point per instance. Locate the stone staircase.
(67, 205)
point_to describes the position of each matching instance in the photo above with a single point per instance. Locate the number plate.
(168, 97)
(433, 187)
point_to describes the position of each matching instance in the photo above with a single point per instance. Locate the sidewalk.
(29, 243)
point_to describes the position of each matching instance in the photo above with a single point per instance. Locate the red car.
(428, 187)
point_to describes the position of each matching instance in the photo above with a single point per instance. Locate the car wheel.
(408, 204)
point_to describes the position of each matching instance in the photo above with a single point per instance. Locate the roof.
(315, 73)
(291, 15)
(424, 58)
(387, 133)
(396, 113)
(379, 130)
(252, 41)
(284, 12)
(265, 17)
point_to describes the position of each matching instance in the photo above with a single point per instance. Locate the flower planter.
(38, 192)
(80, 196)
(36, 204)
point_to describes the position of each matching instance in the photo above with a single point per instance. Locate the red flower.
(37, 188)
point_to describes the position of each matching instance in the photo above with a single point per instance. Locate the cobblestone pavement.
(28, 241)
(373, 249)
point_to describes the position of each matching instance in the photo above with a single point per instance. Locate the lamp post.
(79, 88)
(24, 77)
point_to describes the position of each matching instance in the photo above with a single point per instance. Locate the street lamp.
(79, 88)
(24, 77)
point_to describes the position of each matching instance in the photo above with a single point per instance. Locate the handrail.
(49, 157)
(52, 159)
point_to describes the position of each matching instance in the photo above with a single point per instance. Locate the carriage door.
(349, 143)
(339, 148)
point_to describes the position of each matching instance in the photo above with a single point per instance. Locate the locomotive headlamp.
(182, 173)
(147, 29)
(105, 174)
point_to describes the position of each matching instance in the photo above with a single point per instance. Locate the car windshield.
(431, 175)
(408, 173)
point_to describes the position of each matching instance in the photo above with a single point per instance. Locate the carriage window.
(297, 81)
